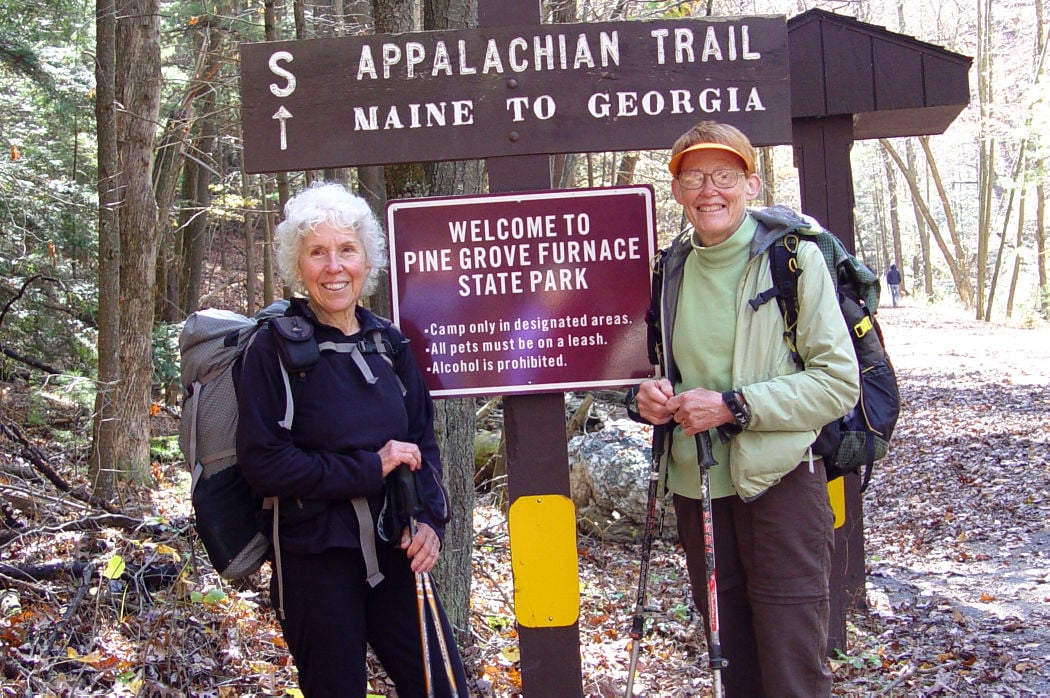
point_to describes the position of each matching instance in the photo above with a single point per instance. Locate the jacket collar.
(774, 222)
(368, 320)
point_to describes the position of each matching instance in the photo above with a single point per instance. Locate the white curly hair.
(332, 204)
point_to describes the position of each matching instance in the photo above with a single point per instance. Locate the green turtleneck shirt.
(702, 344)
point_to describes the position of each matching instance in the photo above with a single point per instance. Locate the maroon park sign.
(520, 293)
(510, 90)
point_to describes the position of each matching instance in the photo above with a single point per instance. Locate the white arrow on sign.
(283, 115)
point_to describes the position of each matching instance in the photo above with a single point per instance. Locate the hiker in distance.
(728, 367)
(893, 279)
(356, 419)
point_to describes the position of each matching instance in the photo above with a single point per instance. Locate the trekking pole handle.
(406, 484)
(705, 458)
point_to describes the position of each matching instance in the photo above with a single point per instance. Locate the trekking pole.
(423, 639)
(638, 621)
(425, 597)
(409, 499)
(706, 460)
(442, 646)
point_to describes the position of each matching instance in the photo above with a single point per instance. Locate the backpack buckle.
(863, 327)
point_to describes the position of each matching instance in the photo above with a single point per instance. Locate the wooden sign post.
(550, 656)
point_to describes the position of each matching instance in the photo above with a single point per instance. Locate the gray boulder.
(609, 481)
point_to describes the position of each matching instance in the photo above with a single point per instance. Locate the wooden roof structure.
(853, 81)
(892, 84)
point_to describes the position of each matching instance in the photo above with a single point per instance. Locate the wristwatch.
(734, 401)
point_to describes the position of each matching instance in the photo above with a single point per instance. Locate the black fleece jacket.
(340, 423)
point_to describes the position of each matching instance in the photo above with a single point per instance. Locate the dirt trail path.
(958, 517)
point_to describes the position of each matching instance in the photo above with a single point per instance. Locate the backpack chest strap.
(354, 350)
(374, 344)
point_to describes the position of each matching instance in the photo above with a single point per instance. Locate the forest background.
(123, 205)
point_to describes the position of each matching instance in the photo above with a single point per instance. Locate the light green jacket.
(788, 406)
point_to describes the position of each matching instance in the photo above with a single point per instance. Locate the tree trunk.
(138, 91)
(1040, 250)
(103, 465)
(176, 293)
(564, 12)
(283, 193)
(625, 170)
(403, 180)
(986, 160)
(454, 419)
(167, 166)
(248, 226)
(895, 219)
(1019, 176)
(197, 232)
(920, 225)
(956, 262)
(769, 176)
(269, 276)
(1018, 242)
(187, 214)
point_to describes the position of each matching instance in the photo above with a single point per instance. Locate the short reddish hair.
(712, 135)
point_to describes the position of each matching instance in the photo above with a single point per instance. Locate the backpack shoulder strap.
(380, 340)
(654, 332)
(376, 342)
(784, 269)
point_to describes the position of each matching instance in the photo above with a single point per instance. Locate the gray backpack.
(228, 513)
(226, 509)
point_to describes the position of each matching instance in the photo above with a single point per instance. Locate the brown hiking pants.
(773, 562)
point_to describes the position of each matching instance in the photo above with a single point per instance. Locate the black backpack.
(863, 435)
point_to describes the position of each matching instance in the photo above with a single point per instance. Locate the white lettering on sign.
(543, 107)
(283, 115)
(425, 261)
(516, 228)
(428, 115)
(511, 255)
(500, 283)
(548, 52)
(495, 256)
(276, 69)
(683, 49)
(545, 53)
(710, 100)
(577, 252)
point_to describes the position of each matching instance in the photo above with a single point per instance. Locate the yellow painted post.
(544, 560)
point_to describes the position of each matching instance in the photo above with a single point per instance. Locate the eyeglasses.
(721, 179)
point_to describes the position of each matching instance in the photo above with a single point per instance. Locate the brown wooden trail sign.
(510, 90)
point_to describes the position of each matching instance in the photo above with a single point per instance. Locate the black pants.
(331, 615)
(773, 563)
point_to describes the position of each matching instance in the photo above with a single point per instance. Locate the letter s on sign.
(277, 70)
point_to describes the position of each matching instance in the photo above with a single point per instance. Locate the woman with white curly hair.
(338, 585)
